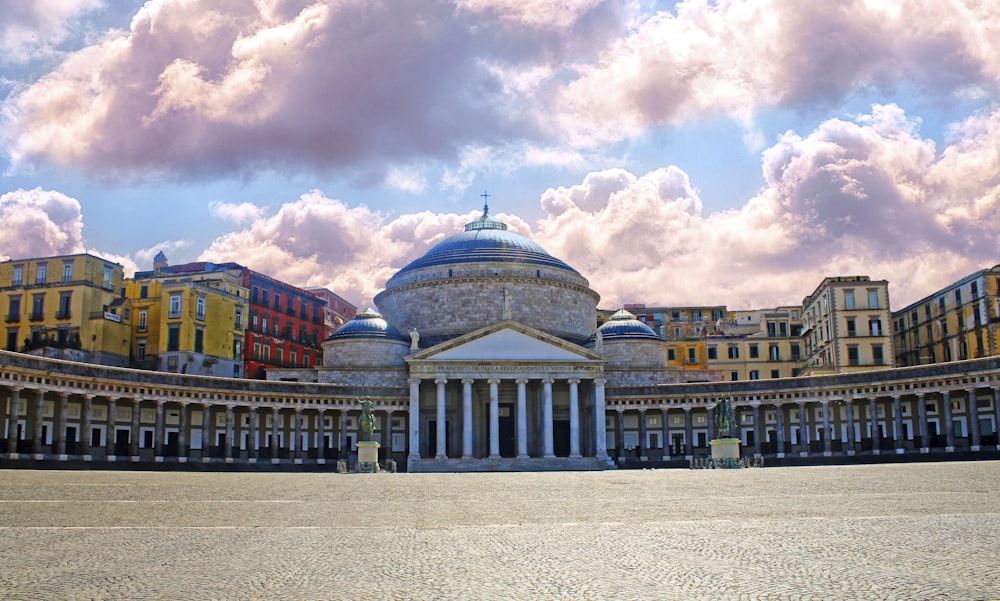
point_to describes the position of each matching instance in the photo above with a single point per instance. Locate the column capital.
(468, 381)
(63, 394)
(160, 402)
(824, 401)
(801, 402)
(619, 409)
(574, 380)
(600, 381)
(755, 404)
(642, 409)
(413, 380)
(548, 381)
(686, 408)
(89, 396)
(493, 380)
(522, 380)
(298, 410)
(440, 380)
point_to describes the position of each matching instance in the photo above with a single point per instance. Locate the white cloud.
(39, 223)
(238, 213)
(32, 29)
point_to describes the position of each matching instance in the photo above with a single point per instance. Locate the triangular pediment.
(506, 341)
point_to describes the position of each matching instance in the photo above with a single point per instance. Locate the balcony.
(13, 317)
(37, 316)
(64, 314)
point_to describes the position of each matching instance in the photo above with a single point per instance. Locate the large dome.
(368, 324)
(485, 240)
(483, 275)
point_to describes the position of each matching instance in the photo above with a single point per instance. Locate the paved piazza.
(905, 531)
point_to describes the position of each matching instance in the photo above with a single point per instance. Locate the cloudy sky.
(695, 152)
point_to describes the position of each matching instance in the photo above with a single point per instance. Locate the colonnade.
(946, 420)
(134, 428)
(543, 438)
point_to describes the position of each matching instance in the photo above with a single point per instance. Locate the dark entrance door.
(173, 444)
(121, 442)
(432, 438)
(560, 438)
(507, 429)
(677, 444)
(71, 444)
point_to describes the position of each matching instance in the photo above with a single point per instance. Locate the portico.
(505, 392)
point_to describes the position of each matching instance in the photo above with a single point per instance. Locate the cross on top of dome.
(485, 222)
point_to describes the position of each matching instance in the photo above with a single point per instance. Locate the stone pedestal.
(726, 453)
(367, 457)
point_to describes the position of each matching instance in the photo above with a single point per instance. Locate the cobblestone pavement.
(903, 531)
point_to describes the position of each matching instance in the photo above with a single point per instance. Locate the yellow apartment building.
(847, 326)
(190, 323)
(67, 306)
(958, 322)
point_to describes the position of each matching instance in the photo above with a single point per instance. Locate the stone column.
(133, 447)
(827, 434)
(574, 418)
(158, 429)
(59, 425)
(873, 421)
(12, 413)
(414, 450)
(86, 425)
(710, 418)
(779, 430)
(665, 429)
(522, 418)
(467, 418)
(109, 426)
(227, 450)
(642, 435)
(996, 416)
(803, 429)
(206, 433)
(688, 433)
(620, 433)
(922, 422)
(949, 429)
(897, 423)
(252, 434)
(36, 422)
(973, 413)
(494, 418)
(275, 415)
(849, 415)
(182, 433)
(387, 434)
(442, 431)
(297, 455)
(342, 444)
(757, 430)
(547, 417)
(321, 435)
(600, 434)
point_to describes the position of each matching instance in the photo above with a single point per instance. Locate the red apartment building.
(286, 325)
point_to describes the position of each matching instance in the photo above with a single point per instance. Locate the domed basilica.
(498, 343)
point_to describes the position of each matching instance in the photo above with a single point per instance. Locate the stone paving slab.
(918, 531)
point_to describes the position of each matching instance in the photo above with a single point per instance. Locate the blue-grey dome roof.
(625, 325)
(368, 324)
(486, 240)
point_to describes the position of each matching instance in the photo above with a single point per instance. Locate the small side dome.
(625, 325)
(368, 324)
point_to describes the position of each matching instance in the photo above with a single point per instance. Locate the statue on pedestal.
(414, 338)
(366, 423)
(725, 421)
(508, 312)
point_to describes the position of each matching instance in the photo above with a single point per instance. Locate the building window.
(873, 299)
(754, 353)
(140, 350)
(713, 352)
(37, 307)
(774, 352)
(775, 374)
(734, 375)
(175, 306)
(199, 340)
(263, 297)
(256, 351)
(875, 327)
(877, 355)
(237, 349)
(277, 301)
(848, 299)
(277, 327)
(754, 374)
(144, 291)
(67, 275)
(253, 295)
(963, 350)
(12, 339)
(734, 351)
(106, 283)
(696, 316)
(238, 320)
(958, 296)
(671, 355)
(40, 273)
(142, 320)
(172, 363)
(18, 275)
(267, 353)
(14, 308)
(796, 352)
(975, 289)
(692, 355)
(64, 304)
(292, 356)
(852, 330)
(174, 338)
(852, 355)
(263, 324)
(199, 310)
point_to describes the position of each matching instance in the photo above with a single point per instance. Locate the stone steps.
(530, 464)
